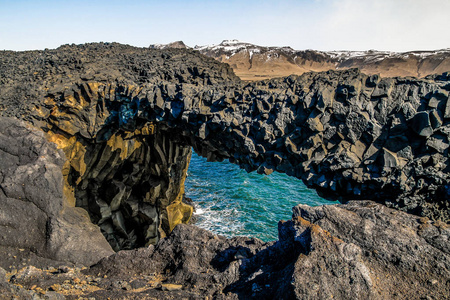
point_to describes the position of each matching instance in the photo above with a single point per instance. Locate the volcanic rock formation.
(126, 117)
(361, 250)
(123, 171)
(354, 251)
(38, 226)
(124, 120)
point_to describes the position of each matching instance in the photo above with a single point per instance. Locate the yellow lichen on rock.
(148, 129)
(94, 86)
(76, 157)
(178, 213)
(126, 147)
(74, 152)
(144, 165)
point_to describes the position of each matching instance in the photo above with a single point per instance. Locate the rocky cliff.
(119, 123)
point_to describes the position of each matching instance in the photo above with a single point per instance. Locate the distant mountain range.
(252, 62)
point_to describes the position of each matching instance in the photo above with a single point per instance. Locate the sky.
(392, 25)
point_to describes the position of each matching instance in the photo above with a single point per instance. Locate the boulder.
(32, 190)
(447, 109)
(421, 124)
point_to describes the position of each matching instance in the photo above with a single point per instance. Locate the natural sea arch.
(126, 119)
(337, 139)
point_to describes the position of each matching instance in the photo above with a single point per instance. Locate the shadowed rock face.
(125, 118)
(37, 225)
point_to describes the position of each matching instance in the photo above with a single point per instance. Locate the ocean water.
(231, 202)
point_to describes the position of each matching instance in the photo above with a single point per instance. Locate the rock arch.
(126, 118)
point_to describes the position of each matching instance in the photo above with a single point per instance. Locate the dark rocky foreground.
(361, 250)
(101, 134)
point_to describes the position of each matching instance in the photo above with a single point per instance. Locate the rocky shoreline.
(95, 141)
(359, 250)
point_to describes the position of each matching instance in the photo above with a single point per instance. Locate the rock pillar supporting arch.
(130, 182)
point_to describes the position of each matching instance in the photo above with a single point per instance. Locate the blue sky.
(396, 25)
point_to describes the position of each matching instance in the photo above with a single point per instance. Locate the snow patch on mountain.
(305, 58)
(231, 47)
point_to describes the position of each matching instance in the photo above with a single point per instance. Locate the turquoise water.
(231, 202)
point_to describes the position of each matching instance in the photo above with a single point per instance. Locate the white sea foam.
(224, 221)
(199, 211)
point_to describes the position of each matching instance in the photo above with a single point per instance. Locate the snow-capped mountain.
(177, 45)
(252, 62)
(234, 46)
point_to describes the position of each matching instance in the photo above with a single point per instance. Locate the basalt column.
(128, 176)
(132, 185)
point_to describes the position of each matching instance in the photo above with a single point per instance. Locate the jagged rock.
(375, 240)
(383, 88)
(447, 109)
(435, 119)
(422, 125)
(359, 250)
(438, 142)
(315, 124)
(31, 195)
(390, 160)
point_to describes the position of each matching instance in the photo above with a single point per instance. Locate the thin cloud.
(395, 25)
(399, 25)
